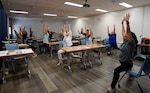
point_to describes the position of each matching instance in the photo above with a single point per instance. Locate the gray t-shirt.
(126, 50)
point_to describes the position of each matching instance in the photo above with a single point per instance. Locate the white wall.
(37, 25)
(146, 18)
(99, 23)
(139, 23)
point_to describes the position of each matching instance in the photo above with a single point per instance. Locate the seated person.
(112, 39)
(67, 42)
(88, 35)
(19, 35)
(125, 56)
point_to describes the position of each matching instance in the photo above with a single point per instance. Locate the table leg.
(28, 70)
(3, 71)
(51, 51)
(68, 62)
(99, 55)
(83, 59)
(88, 55)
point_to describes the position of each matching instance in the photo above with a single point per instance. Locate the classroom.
(74, 46)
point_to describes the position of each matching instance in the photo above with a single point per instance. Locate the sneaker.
(6, 71)
(110, 90)
(108, 53)
(59, 63)
(34, 55)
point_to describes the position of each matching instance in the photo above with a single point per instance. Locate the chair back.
(12, 46)
(106, 41)
(98, 37)
(60, 44)
(83, 42)
(145, 67)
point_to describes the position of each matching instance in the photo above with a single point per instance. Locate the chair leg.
(121, 79)
(25, 60)
(139, 86)
(148, 75)
(13, 67)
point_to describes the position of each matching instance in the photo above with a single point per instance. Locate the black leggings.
(125, 66)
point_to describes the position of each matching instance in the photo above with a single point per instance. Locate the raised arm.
(45, 28)
(123, 29)
(114, 29)
(69, 27)
(90, 28)
(17, 34)
(127, 22)
(108, 30)
(128, 27)
(126, 33)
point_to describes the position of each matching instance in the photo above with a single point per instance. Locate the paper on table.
(86, 47)
(2, 53)
(26, 50)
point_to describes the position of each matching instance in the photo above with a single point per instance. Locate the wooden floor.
(46, 77)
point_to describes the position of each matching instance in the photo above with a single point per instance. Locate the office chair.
(83, 42)
(14, 46)
(143, 71)
(108, 47)
(60, 44)
(32, 44)
(106, 42)
(98, 37)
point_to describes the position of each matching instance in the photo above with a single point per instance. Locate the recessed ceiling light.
(125, 5)
(101, 10)
(46, 14)
(21, 12)
(72, 17)
(73, 4)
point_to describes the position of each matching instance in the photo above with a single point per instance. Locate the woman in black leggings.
(126, 52)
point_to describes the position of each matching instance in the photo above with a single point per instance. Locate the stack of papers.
(3, 53)
(26, 51)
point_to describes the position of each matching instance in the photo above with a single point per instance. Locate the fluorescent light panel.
(125, 5)
(46, 14)
(72, 17)
(101, 10)
(21, 12)
(73, 4)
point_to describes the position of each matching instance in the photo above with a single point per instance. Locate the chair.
(143, 71)
(98, 37)
(60, 44)
(106, 43)
(14, 46)
(83, 42)
(32, 44)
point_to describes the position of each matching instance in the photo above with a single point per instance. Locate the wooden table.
(13, 53)
(20, 46)
(52, 44)
(81, 48)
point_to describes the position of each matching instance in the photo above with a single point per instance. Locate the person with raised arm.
(19, 35)
(46, 36)
(112, 39)
(88, 34)
(67, 42)
(126, 52)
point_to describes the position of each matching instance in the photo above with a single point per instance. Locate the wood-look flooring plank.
(46, 77)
